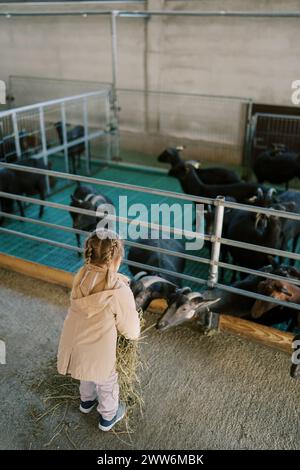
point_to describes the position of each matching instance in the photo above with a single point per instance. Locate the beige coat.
(101, 304)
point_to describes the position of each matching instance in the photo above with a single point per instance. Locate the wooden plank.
(259, 333)
(36, 270)
(237, 326)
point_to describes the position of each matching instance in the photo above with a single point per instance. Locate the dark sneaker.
(87, 406)
(106, 425)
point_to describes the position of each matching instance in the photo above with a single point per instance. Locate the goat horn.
(184, 290)
(271, 192)
(139, 275)
(257, 219)
(260, 193)
(194, 295)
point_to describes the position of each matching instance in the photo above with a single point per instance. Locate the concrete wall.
(248, 57)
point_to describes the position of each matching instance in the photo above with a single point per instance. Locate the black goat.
(239, 305)
(8, 184)
(21, 183)
(291, 228)
(147, 288)
(257, 229)
(277, 165)
(157, 259)
(75, 151)
(86, 197)
(191, 184)
(32, 183)
(187, 306)
(213, 175)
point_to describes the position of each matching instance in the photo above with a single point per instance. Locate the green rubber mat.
(69, 260)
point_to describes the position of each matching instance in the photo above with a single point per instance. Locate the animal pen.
(111, 120)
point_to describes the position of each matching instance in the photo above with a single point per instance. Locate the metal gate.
(213, 128)
(270, 128)
(75, 127)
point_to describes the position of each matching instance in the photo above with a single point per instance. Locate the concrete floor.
(200, 392)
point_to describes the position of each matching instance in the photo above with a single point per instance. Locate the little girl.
(101, 304)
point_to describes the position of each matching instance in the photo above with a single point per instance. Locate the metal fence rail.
(67, 126)
(214, 238)
(212, 127)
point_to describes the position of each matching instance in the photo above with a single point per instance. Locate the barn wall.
(250, 57)
(247, 57)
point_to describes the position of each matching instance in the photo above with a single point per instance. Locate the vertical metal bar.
(64, 135)
(115, 106)
(247, 140)
(16, 135)
(44, 143)
(146, 77)
(86, 133)
(216, 244)
(109, 149)
(114, 51)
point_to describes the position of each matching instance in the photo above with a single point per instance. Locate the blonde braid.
(88, 251)
(111, 253)
(102, 251)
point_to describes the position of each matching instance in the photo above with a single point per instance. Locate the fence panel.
(211, 127)
(269, 128)
(68, 130)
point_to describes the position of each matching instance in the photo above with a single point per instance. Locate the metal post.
(216, 244)
(108, 135)
(16, 134)
(247, 142)
(44, 144)
(65, 138)
(115, 106)
(86, 132)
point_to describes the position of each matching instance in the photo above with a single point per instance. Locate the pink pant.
(107, 393)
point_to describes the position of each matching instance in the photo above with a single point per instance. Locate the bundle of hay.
(128, 365)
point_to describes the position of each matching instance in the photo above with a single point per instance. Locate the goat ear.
(75, 200)
(284, 290)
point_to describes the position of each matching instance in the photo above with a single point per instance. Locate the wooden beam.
(36, 270)
(259, 333)
(266, 335)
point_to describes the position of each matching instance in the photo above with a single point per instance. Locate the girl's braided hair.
(102, 247)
